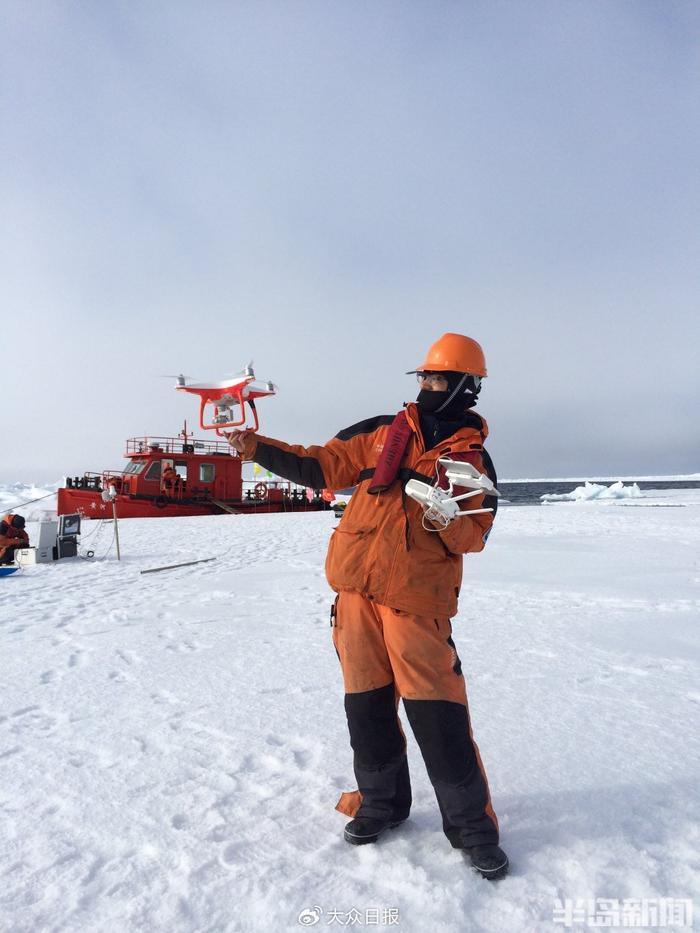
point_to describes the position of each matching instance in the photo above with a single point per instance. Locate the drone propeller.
(246, 371)
(249, 371)
(181, 377)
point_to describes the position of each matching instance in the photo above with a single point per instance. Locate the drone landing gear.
(224, 415)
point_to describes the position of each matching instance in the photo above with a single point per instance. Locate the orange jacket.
(380, 548)
(13, 537)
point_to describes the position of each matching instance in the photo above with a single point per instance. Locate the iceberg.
(591, 491)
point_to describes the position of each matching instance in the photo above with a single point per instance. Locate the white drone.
(439, 505)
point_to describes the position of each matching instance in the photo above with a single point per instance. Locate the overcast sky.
(327, 187)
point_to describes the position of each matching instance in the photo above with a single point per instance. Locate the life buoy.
(160, 502)
(260, 491)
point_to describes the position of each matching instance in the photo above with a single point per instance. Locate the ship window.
(153, 471)
(181, 469)
(134, 466)
(206, 472)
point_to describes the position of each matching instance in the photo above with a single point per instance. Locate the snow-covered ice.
(172, 745)
(42, 499)
(590, 491)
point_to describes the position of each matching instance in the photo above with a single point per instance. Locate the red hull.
(89, 504)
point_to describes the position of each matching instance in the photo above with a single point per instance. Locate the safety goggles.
(431, 379)
(437, 379)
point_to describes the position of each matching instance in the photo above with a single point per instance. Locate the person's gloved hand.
(237, 439)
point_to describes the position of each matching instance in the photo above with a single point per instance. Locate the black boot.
(490, 861)
(364, 829)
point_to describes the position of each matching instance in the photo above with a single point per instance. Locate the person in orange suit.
(12, 537)
(398, 575)
(171, 482)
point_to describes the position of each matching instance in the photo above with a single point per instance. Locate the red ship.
(207, 480)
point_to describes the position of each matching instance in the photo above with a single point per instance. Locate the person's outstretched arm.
(335, 465)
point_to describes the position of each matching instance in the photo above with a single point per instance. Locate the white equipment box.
(33, 555)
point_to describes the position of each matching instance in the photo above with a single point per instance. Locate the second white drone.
(440, 505)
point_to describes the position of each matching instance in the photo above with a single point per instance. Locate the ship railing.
(262, 489)
(97, 481)
(174, 446)
(86, 481)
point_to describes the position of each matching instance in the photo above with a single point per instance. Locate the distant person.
(398, 575)
(171, 482)
(13, 537)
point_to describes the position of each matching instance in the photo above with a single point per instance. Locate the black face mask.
(429, 403)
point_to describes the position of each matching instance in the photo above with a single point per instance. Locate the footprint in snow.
(119, 677)
(302, 758)
(219, 833)
(128, 657)
(231, 854)
(182, 647)
(164, 697)
(94, 870)
(179, 821)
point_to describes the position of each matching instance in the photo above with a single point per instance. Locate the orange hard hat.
(454, 353)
